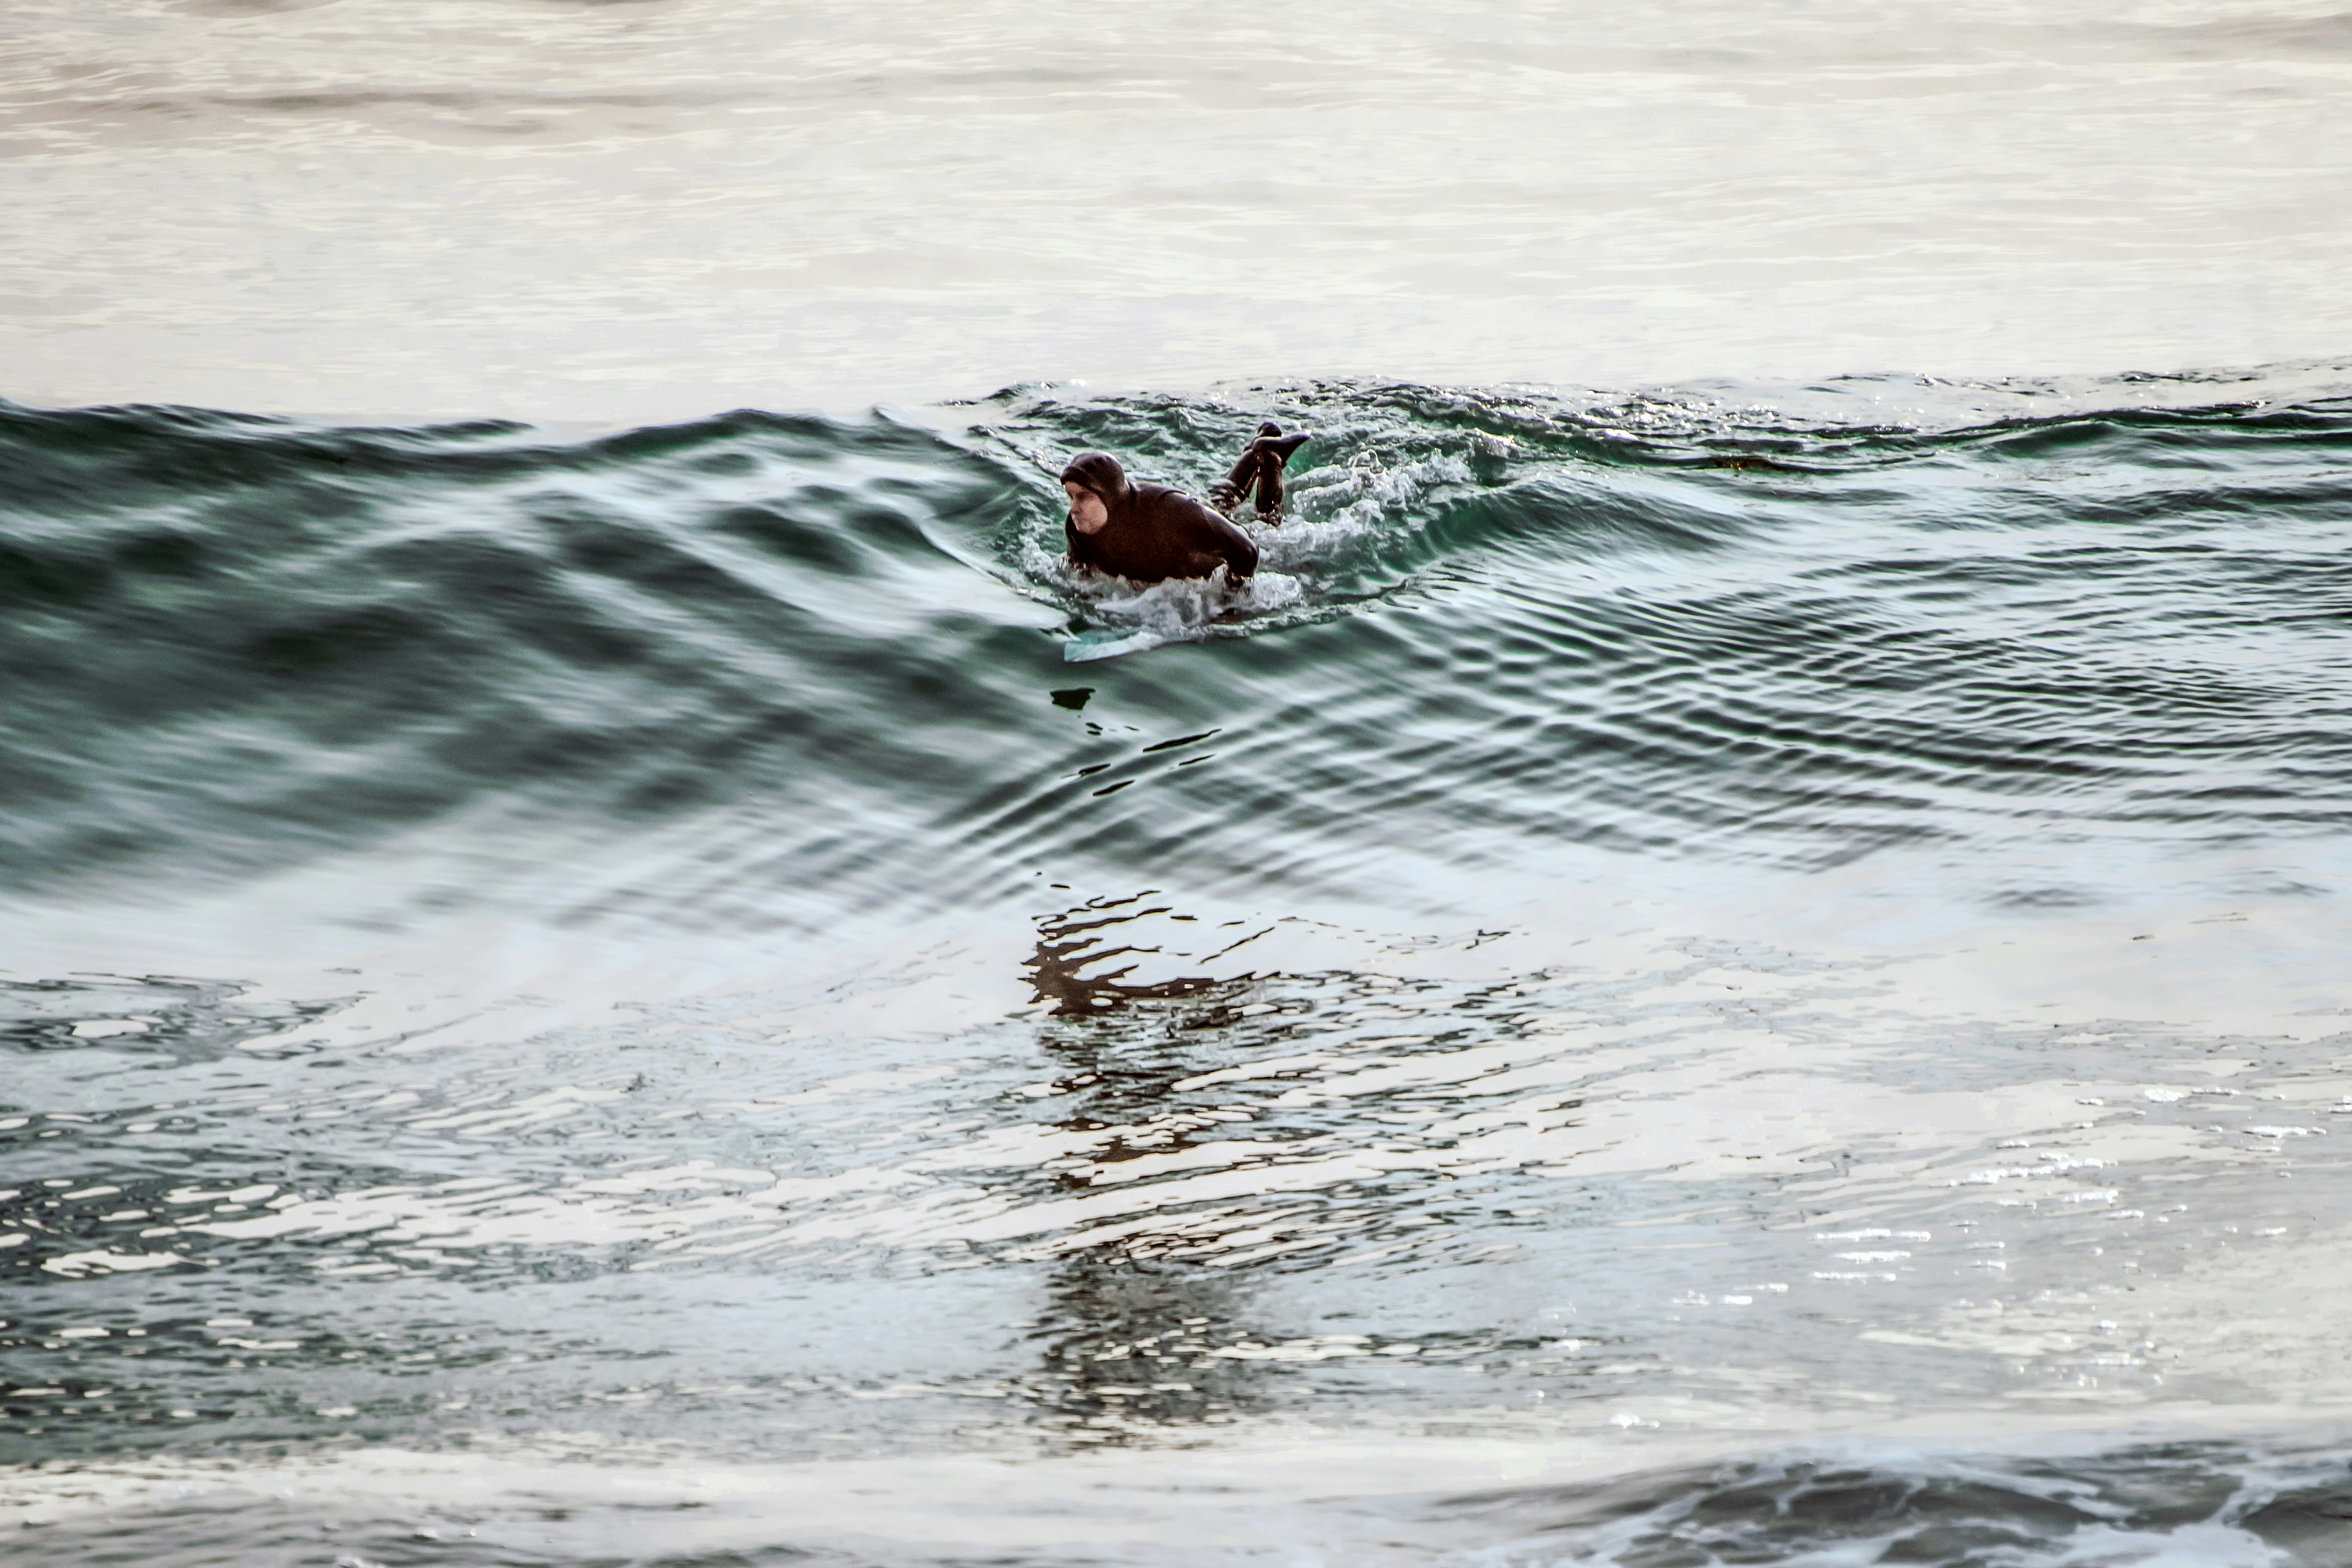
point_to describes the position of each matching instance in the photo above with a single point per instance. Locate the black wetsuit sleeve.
(1223, 541)
(1268, 454)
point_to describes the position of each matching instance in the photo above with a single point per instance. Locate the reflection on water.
(1217, 1171)
(171, 1016)
(1070, 944)
(1200, 1176)
(1137, 1337)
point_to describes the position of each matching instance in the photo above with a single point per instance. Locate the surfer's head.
(1269, 428)
(1095, 483)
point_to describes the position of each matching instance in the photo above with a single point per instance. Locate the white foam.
(1332, 506)
(1180, 609)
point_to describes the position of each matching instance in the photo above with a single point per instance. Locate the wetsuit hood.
(1099, 472)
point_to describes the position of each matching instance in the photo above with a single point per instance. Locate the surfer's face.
(1087, 508)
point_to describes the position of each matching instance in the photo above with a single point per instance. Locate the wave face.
(829, 664)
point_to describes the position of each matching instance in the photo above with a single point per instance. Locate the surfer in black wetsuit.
(1147, 533)
(1260, 469)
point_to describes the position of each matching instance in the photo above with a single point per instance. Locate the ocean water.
(635, 210)
(1734, 956)
(1684, 979)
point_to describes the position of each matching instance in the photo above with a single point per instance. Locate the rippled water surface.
(1744, 975)
(1732, 956)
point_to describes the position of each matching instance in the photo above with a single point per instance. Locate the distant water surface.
(623, 212)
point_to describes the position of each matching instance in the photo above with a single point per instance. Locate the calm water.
(1746, 972)
(624, 210)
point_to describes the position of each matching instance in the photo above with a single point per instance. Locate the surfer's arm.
(1225, 546)
(1227, 492)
